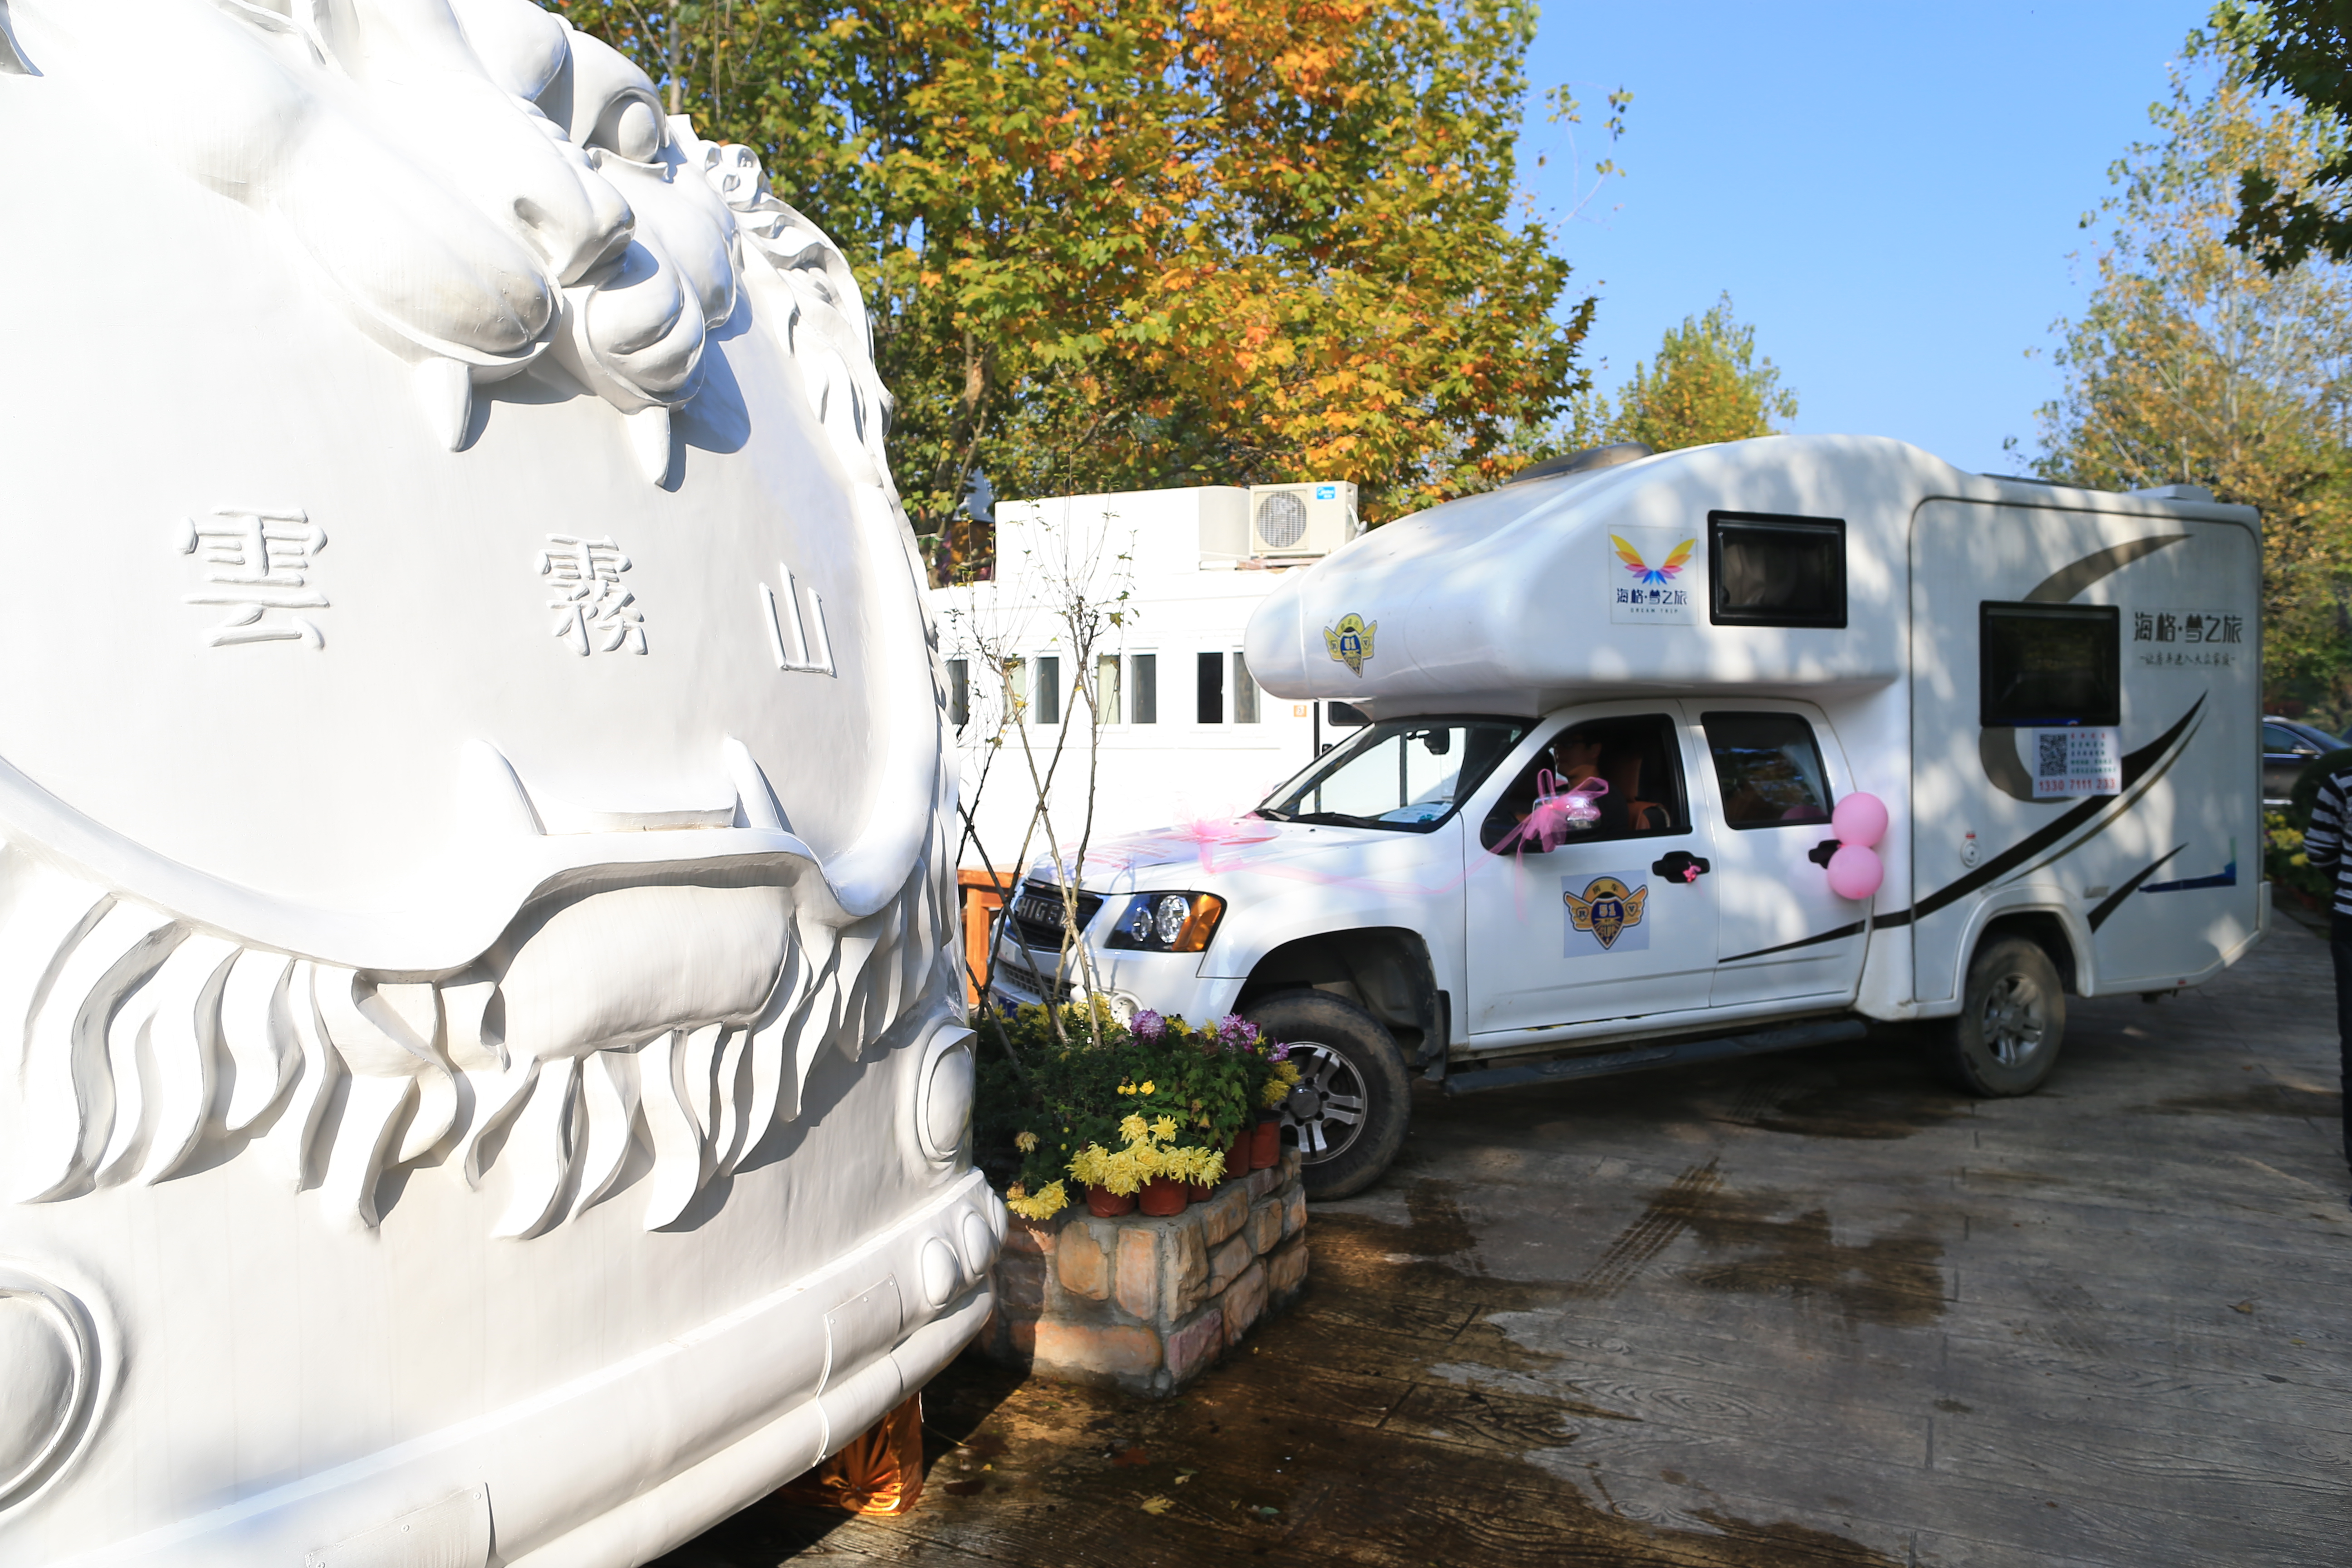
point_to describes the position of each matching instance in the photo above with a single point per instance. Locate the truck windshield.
(1405, 774)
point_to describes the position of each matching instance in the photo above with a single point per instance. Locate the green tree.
(2302, 49)
(1150, 242)
(1705, 385)
(2195, 364)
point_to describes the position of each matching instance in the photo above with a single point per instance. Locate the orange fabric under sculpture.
(880, 1471)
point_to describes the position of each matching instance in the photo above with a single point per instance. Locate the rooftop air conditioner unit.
(1295, 522)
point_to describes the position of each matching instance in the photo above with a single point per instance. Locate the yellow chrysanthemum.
(1131, 1127)
(1025, 1141)
(1150, 1088)
(1049, 1202)
(1131, 1167)
(1098, 1167)
(1193, 1163)
(1089, 1165)
(1163, 1129)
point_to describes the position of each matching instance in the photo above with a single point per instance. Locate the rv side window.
(1768, 768)
(1771, 571)
(1606, 778)
(2049, 665)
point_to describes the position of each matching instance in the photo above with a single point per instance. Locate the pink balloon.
(1860, 820)
(1855, 872)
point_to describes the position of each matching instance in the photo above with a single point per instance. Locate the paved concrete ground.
(1804, 1310)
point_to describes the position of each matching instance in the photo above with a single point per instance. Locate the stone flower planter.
(1146, 1304)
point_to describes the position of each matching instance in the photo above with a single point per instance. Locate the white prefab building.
(1169, 580)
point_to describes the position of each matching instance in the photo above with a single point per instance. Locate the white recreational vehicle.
(1171, 576)
(1617, 705)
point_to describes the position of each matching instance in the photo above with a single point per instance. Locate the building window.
(1049, 689)
(1211, 707)
(1143, 700)
(1244, 693)
(1107, 687)
(959, 693)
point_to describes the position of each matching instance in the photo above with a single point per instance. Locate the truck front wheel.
(1349, 1113)
(2012, 1016)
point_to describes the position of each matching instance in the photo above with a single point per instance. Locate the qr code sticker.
(2053, 755)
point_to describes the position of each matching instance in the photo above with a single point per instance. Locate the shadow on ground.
(1805, 1310)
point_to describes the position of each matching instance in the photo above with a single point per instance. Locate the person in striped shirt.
(2323, 847)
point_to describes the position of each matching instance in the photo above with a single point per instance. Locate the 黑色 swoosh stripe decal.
(2136, 765)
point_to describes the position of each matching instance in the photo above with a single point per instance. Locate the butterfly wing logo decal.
(1630, 556)
(1665, 571)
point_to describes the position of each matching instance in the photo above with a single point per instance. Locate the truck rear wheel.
(2013, 1017)
(1349, 1113)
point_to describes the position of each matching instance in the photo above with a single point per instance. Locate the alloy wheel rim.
(2013, 1021)
(1326, 1108)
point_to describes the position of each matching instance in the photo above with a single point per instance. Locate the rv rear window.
(1771, 571)
(2050, 665)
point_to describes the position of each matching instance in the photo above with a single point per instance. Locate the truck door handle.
(1682, 866)
(1819, 854)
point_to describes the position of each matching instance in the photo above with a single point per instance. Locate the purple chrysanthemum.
(1148, 1025)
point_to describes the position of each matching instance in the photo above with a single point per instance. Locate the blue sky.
(1891, 192)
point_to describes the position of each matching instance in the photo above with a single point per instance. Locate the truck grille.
(1037, 916)
(1012, 972)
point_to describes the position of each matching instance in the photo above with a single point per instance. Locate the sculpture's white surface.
(479, 1076)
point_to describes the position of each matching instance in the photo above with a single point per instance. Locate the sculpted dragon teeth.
(641, 1008)
(684, 1019)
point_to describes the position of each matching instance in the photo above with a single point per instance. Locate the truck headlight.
(1167, 923)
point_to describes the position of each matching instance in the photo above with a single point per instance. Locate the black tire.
(1348, 1114)
(2013, 1019)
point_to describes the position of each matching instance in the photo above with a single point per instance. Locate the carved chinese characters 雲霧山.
(592, 609)
(257, 561)
(797, 642)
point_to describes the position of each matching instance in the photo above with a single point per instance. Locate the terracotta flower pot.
(1104, 1203)
(1163, 1195)
(1266, 1145)
(1237, 1158)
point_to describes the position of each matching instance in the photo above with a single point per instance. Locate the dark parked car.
(2288, 747)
